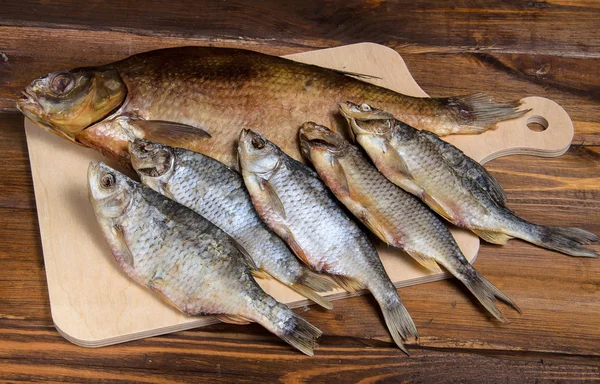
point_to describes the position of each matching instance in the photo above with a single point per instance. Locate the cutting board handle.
(515, 137)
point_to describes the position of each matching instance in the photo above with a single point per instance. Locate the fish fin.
(399, 323)
(347, 283)
(121, 246)
(317, 282)
(478, 112)
(164, 190)
(272, 199)
(437, 207)
(303, 335)
(361, 76)
(374, 226)
(425, 261)
(246, 256)
(234, 319)
(170, 133)
(261, 274)
(567, 240)
(488, 183)
(492, 237)
(291, 241)
(312, 295)
(340, 175)
(487, 293)
(156, 285)
(394, 161)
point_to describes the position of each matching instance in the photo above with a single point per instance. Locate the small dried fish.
(186, 259)
(218, 193)
(293, 202)
(395, 216)
(451, 183)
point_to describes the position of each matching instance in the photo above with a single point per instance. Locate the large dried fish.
(220, 91)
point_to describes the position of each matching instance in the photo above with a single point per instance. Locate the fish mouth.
(364, 112)
(318, 136)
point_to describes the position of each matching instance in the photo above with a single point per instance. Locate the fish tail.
(399, 322)
(568, 240)
(478, 112)
(290, 327)
(486, 293)
(309, 283)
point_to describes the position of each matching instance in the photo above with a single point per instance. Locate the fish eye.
(258, 143)
(365, 108)
(62, 83)
(147, 147)
(107, 181)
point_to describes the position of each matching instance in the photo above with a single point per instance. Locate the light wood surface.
(94, 304)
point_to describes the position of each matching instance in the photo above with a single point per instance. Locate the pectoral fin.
(170, 133)
(121, 247)
(492, 237)
(272, 199)
(340, 175)
(394, 161)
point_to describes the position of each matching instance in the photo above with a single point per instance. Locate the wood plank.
(505, 26)
(38, 354)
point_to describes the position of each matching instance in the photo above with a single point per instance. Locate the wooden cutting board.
(94, 304)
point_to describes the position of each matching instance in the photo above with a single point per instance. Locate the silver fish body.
(185, 259)
(218, 193)
(292, 201)
(451, 183)
(395, 216)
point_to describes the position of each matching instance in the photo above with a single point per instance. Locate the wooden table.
(510, 49)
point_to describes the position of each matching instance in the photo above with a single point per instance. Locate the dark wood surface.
(510, 49)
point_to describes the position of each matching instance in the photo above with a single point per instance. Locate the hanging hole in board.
(537, 123)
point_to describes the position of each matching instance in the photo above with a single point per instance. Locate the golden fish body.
(222, 90)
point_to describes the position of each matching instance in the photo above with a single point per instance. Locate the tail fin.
(487, 293)
(283, 322)
(399, 322)
(301, 334)
(310, 283)
(478, 112)
(567, 240)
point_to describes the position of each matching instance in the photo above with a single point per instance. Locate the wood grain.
(450, 48)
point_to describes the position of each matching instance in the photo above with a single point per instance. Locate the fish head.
(256, 154)
(109, 191)
(317, 138)
(154, 162)
(67, 102)
(364, 119)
